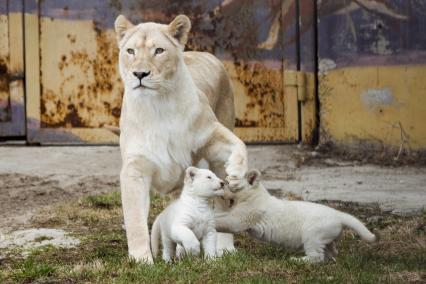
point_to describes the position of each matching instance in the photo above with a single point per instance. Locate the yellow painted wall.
(378, 105)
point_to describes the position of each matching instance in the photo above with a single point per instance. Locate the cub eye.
(131, 51)
(159, 51)
(209, 177)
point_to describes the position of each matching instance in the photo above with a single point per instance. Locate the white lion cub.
(295, 224)
(189, 219)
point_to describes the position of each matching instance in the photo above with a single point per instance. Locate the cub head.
(203, 183)
(150, 53)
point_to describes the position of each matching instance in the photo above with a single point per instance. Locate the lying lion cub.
(294, 224)
(190, 218)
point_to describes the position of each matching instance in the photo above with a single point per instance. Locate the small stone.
(374, 219)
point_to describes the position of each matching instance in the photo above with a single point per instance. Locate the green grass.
(398, 257)
(107, 201)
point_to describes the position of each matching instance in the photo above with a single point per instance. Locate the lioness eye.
(158, 51)
(131, 51)
(209, 177)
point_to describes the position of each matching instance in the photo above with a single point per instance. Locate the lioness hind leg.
(209, 244)
(224, 241)
(225, 110)
(180, 251)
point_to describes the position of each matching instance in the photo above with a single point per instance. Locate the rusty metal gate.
(73, 89)
(12, 108)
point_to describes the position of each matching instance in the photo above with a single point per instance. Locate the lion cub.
(295, 224)
(189, 219)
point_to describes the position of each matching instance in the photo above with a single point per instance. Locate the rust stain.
(263, 87)
(5, 114)
(95, 103)
(308, 135)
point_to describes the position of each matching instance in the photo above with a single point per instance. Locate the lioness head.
(150, 53)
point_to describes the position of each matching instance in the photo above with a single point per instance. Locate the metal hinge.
(297, 80)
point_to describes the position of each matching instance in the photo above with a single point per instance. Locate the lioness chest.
(170, 144)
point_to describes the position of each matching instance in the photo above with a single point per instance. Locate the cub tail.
(356, 225)
(155, 237)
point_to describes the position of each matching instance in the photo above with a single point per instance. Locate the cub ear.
(252, 177)
(179, 28)
(190, 173)
(121, 25)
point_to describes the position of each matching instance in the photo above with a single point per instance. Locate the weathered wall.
(372, 70)
(80, 90)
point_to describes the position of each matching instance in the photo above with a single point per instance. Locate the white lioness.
(177, 109)
(293, 224)
(190, 219)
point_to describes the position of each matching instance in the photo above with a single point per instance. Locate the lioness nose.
(141, 75)
(222, 184)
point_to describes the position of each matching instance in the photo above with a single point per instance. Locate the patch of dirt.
(33, 238)
(21, 196)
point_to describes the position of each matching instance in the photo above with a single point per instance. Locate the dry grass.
(398, 257)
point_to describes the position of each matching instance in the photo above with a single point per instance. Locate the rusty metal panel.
(73, 88)
(309, 106)
(80, 89)
(372, 58)
(12, 114)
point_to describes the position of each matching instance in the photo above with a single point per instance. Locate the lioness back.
(211, 78)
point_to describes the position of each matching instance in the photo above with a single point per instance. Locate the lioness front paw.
(236, 182)
(142, 257)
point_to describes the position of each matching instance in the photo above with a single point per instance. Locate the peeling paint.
(264, 101)
(375, 98)
(326, 64)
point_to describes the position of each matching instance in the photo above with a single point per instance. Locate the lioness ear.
(190, 173)
(179, 28)
(121, 25)
(253, 177)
